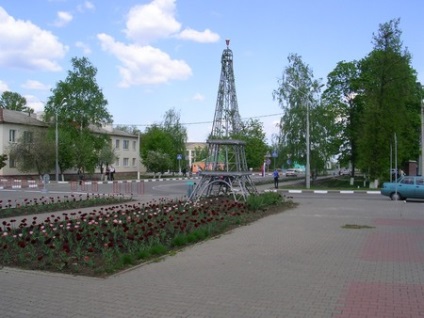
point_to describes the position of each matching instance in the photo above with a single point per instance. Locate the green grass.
(336, 183)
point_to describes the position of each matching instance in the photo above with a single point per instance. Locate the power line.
(201, 122)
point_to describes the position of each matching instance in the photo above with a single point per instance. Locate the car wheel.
(395, 196)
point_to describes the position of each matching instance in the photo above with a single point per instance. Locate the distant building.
(15, 124)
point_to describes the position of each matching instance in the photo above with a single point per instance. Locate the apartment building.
(14, 124)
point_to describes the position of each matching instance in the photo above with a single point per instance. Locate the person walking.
(276, 176)
(112, 173)
(80, 175)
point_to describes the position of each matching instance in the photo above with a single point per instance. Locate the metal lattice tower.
(227, 117)
(226, 170)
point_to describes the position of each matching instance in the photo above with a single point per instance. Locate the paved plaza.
(299, 263)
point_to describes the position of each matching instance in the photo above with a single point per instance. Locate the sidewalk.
(300, 263)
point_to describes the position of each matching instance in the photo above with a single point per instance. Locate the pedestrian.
(107, 173)
(112, 173)
(80, 175)
(276, 175)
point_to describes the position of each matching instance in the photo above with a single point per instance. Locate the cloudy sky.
(156, 55)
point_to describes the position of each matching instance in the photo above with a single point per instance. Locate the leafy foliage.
(297, 92)
(34, 152)
(390, 97)
(3, 159)
(253, 134)
(14, 101)
(159, 141)
(77, 104)
(157, 161)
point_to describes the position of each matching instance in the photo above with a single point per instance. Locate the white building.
(15, 124)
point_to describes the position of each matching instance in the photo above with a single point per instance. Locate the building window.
(12, 162)
(117, 143)
(126, 162)
(117, 162)
(134, 145)
(12, 135)
(28, 137)
(134, 161)
(126, 144)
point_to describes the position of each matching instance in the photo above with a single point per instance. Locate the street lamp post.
(308, 164)
(422, 137)
(63, 102)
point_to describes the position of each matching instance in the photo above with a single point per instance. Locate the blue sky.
(154, 55)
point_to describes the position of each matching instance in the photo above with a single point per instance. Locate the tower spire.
(227, 117)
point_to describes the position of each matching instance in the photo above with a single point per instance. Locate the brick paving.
(300, 263)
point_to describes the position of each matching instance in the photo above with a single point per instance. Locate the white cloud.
(156, 20)
(206, 36)
(34, 103)
(25, 45)
(144, 64)
(63, 18)
(87, 5)
(31, 84)
(198, 97)
(152, 21)
(3, 87)
(85, 47)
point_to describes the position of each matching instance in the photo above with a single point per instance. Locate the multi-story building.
(14, 124)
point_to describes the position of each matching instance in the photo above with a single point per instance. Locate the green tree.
(178, 132)
(298, 91)
(390, 97)
(253, 134)
(3, 159)
(200, 153)
(106, 156)
(78, 103)
(129, 129)
(157, 161)
(14, 101)
(158, 140)
(33, 152)
(340, 97)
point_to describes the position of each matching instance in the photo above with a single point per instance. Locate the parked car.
(406, 187)
(345, 172)
(293, 172)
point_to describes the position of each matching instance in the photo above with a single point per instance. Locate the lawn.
(336, 183)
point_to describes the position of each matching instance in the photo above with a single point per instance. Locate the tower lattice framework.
(226, 170)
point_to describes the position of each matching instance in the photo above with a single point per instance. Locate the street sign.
(179, 157)
(274, 154)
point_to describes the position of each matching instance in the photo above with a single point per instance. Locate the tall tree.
(256, 148)
(178, 132)
(389, 94)
(161, 142)
(340, 95)
(76, 103)
(14, 101)
(297, 93)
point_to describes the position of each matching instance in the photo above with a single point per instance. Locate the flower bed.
(113, 238)
(13, 208)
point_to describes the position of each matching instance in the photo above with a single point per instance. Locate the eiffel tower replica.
(226, 171)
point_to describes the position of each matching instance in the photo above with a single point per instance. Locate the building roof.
(20, 118)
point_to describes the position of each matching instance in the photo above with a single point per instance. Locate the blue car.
(406, 187)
